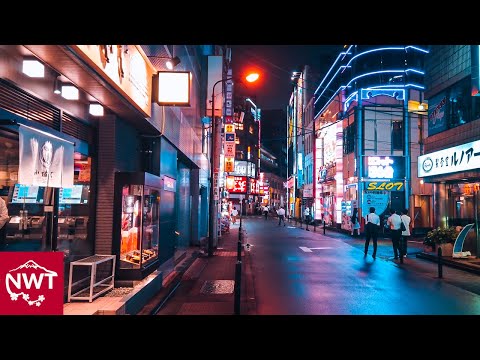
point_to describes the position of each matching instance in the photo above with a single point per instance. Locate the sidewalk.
(207, 286)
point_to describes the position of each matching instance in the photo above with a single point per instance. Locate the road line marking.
(304, 248)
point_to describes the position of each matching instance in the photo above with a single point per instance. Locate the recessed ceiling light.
(33, 68)
(69, 92)
(96, 109)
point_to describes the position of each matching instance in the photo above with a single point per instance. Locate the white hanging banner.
(45, 160)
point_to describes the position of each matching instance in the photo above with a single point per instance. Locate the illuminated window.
(237, 140)
(238, 126)
(250, 129)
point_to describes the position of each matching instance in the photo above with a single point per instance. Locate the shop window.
(349, 139)
(397, 135)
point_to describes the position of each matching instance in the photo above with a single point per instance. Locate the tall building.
(450, 160)
(369, 112)
(274, 129)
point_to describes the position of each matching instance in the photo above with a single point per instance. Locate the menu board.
(24, 194)
(78, 194)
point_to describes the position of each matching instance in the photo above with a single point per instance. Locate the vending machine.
(136, 224)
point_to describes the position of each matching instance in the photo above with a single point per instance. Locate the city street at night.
(302, 272)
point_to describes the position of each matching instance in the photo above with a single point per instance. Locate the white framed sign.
(458, 158)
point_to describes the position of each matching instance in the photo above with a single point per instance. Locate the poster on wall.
(44, 160)
(437, 114)
(379, 199)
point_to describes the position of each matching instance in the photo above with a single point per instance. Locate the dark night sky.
(276, 63)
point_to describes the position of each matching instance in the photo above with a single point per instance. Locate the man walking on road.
(372, 224)
(281, 216)
(394, 221)
(405, 234)
(266, 209)
(234, 215)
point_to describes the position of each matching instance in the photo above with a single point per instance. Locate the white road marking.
(291, 227)
(306, 249)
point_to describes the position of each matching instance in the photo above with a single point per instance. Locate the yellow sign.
(476, 187)
(126, 68)
(229, 164)
(385, 185)
(229, 128)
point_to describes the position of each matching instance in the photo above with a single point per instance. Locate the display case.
(137, 199)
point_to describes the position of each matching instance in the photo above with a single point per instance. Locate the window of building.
(349, 139)
(237, 140)
(250, 129)
(397, 135)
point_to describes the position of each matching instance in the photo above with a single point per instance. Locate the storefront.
(455, 175)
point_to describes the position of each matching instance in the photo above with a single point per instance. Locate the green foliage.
(441, 236)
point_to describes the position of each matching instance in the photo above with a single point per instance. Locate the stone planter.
(447, 249)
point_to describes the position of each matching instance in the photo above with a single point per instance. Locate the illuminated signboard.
(239, 184)
(253, 186)
(384, 167)
(458, 158)
(169, 184)
(385, 185)
(230, 137)
(229, 164)
(244, 168)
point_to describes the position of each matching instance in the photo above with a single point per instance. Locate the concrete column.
(440, 205)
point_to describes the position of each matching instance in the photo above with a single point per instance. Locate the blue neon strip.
(415, 71)
(326, 86)
(417, 48)
(329, 100)
(372, 50)
(336, 60)
(346, 104)
(373, 73)
(416, 86)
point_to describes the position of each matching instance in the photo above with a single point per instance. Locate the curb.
(171, 282)
(475, 269)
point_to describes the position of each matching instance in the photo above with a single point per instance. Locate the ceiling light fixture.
(33, 68)
(96, 109)
(70, 92)
(171, 63)
(57, 85)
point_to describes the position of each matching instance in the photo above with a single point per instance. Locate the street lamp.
(212, 211)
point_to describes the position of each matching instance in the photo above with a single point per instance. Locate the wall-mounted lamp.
(96, 109)
(33, 68)
(172, 63)
(57, 85)
(69, 92)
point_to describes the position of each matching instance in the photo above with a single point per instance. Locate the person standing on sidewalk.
(405, 234)
(355, 224)
(281, 216)
(372, 224)
(234, 215)
(394, 222)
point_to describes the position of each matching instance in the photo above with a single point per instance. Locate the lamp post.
(212, 208)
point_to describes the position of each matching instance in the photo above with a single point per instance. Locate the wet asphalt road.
(301, 272)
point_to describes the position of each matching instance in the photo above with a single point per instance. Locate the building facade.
(449, 161)
(140, 177)
(369, 111)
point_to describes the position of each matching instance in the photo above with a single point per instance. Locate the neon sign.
(380, 167)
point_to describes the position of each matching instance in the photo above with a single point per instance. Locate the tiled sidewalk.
(207, 287)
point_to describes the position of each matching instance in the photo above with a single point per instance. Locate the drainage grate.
(217, 287)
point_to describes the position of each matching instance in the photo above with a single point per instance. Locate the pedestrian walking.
(281, 216)
(394, 222)
(266, 209)
(406, 233)
(372, 226)
(234, 215)
(355, 224)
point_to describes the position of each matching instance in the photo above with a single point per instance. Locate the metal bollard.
(324, 224)
(314, 225)
(440, 264)
(237, 287)
(300, 219)
(239, 250)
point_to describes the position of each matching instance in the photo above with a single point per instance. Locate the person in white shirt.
(281, 216)
(405, 234)
(372, 224)
(394, 221)
(234, 215)
(266, 209)
(3, 221)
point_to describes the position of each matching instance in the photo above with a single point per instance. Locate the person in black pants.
(372, 224)
(394, 221)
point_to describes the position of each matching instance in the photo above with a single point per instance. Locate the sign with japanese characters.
(237, 184)
(229, 149)
(458, 158)
(378, 199)
(384, 167)
(437, 114)
(229, 164)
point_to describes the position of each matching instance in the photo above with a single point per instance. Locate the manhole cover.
(217, 287)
